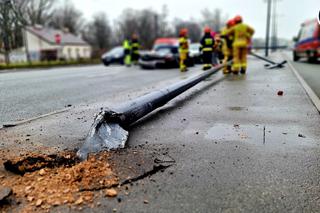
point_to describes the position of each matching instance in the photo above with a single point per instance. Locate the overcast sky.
(291, 13)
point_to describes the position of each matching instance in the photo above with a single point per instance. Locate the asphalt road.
(25, 94)
(310, 72)
(234, 145)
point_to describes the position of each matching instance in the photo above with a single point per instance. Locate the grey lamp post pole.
(268, 27)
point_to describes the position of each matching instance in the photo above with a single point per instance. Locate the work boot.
(243, 71)
(206, 67)
(235, 72)
(184, 69)
(226, 71)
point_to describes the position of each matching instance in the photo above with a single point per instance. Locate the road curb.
(312, 95)
(17, 123)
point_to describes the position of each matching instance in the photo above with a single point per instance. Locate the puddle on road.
(261, 135)
(235, 132)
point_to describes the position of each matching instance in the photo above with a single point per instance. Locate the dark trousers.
(207, 57)
(135, 57)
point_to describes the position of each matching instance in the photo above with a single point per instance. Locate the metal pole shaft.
(109, 128)
(262, 58)
(140, 107)
(268, 27)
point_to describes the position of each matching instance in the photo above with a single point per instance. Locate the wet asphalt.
(236, 146)
(310, 72)
(26, 94)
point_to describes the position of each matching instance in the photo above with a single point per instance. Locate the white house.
(45, 43)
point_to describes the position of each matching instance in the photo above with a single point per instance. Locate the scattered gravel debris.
(111, 193)
(5, 192)
(71, 185)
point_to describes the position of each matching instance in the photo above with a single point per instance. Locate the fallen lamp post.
(109, 130)
(273, 64)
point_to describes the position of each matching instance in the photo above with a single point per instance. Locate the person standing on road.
(135, 49)
(227, 42)
(215, 53)
(207, 45)
(218, 43)
(127, 52)
(183, 49)
(242, 34)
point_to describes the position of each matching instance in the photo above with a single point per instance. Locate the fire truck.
(307, 43)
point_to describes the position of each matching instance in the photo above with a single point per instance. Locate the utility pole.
(274, 37)
(268, 27)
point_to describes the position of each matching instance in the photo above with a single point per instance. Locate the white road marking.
(314, 98)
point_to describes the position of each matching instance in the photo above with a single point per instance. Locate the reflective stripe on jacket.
(183, 45)
(135, 46)
(207, 43)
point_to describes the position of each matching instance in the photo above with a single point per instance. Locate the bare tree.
(164, 28)
(148, 27)
(147, 24)
(98, 32)
(213, 19)
(38, 11)
(10, 21)
(127, 25)
(194, 29)
(67, 17)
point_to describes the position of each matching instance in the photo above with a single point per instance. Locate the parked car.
(114, 56)
(195, 52)
(308, 41)
(164, 54)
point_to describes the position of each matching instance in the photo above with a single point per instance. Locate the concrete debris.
(66, 184)
(111, 193)
(5, 192)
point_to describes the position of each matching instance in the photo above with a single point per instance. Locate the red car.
(308, 41)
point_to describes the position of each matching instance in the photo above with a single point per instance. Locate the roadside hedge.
(47, 64)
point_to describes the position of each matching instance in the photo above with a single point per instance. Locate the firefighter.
(218, 48)
(207, 44)
(227, 45)
(242, 34)
(135, 46)
(127, 52)
(183, 49)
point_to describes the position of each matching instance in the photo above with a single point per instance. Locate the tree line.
(98, 32)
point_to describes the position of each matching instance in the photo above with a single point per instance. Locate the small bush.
(48, 64)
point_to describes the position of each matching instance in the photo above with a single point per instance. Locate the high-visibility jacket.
(227, 39)
(242, 34)
(135, 46)
(183, 45)
(126, 46)
(207, 43)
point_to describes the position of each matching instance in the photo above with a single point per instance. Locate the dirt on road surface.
(44, 183)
